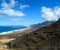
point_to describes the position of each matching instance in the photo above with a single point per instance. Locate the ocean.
(10, 28)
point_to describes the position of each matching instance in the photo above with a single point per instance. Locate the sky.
(28, 12)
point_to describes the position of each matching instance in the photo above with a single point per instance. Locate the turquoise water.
(10, 28)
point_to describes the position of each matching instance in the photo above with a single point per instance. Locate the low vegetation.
(45, 38)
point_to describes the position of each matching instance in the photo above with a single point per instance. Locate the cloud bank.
(50, 14)
(11, 12)
(15, 19)
(24, 6)
(8, 11)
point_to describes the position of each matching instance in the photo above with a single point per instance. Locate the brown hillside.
(46, 38)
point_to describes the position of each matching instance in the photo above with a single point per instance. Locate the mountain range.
(45, 38)
(40, 25)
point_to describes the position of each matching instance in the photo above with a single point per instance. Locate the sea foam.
(9, 32)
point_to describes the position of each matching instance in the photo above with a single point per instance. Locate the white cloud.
(24, 6)
(4, 5)
(11, 12)
(15, 19)
(57, 11)
(8, 11)
(51, 14)
(12, 3)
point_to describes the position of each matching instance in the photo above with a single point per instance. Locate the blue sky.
(27, 12)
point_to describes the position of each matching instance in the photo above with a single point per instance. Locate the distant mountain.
(40, 25)
(59, 19)
(45, 38)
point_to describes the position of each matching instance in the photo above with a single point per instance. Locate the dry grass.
(5, 40)
(3, 47)
(2, 43)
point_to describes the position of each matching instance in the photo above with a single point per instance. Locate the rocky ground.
(45, 38)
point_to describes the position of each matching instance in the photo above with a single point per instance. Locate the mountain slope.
(46, 38)
(40, 25)
(15, 34)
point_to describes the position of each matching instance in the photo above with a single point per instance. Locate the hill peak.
(39, 39)
(59, 19)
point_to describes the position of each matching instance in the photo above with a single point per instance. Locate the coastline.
(9, 32)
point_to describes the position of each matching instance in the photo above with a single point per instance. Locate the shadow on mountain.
(45, 38)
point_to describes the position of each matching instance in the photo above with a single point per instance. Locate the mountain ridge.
(45, 38)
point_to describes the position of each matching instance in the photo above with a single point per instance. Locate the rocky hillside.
(40, 25)
(19, 33)
(46, 38)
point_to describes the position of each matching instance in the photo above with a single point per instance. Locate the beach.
(9, 32)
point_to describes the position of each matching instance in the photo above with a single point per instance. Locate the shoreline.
(9, 32)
